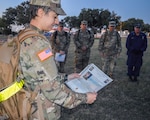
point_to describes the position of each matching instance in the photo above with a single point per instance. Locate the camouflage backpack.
(11, 106)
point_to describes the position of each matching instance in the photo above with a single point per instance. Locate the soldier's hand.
(62, 52)
(102, 54)
(91, 97)
(84, 48)
(118, 55)
(73, 75)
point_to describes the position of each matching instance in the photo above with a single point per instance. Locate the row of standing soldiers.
(109, 48)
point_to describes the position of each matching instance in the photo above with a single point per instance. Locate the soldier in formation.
(83, 40)
(109, 48)
(60, 44)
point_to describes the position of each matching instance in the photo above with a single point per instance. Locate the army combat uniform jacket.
(110, 43)
(109, 48)
(82, 39)
(40, 74)
(60, 41)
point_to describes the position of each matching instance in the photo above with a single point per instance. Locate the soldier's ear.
(40, 12)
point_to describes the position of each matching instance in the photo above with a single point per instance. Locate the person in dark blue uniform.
(136, 44)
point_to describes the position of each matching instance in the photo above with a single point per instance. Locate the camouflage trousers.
(108, 65)
(81, 61)
(60, 66)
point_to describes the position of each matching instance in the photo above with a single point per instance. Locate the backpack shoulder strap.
(78, 33)
(26, 33)
(66, 34)
(89, 31)
(55, 34)
(105, 35)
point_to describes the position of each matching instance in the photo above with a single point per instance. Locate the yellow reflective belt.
(11, 90)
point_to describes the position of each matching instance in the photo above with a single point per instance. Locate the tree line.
(96, 18)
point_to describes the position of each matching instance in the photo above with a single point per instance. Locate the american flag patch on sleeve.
(45, 54)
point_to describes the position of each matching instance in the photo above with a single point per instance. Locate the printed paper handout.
(59, 57)
(92, 80)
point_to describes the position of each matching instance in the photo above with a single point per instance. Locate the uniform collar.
(137, 35)
(36, 29)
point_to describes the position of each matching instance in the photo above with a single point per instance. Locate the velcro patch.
(45, 54)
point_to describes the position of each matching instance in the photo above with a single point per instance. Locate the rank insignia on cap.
(45, 54)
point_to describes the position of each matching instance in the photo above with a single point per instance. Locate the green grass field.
(121, 99)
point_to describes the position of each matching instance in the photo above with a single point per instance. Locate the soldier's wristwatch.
(66, 77)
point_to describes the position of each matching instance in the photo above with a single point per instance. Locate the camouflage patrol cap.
(84, 22)
(55, 5)
(61, 24)
(137, 25)
(112, 23)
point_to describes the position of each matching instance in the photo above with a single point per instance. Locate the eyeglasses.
(83, 24)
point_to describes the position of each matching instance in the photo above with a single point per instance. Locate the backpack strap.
(79, 32)
(105, 35)
(66, 34)
(55, 34)
(26, 33)
(9, 91)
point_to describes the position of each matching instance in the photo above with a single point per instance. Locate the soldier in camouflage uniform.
(39, 68)
(83, 40)
(60, 44)
(109, 48)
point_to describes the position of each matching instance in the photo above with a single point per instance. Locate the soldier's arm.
(66, 46)
(101, 42)
(52, 37)
(41, 72)
(119, 46)
(59, 94)
(144, 46)
(91, 41)
(54, 44)
(128, 42)
(76, 40)
(68, 42)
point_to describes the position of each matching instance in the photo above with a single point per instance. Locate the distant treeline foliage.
(96, 18)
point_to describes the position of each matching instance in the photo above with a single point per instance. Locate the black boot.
(135, 78)
(130, 78)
